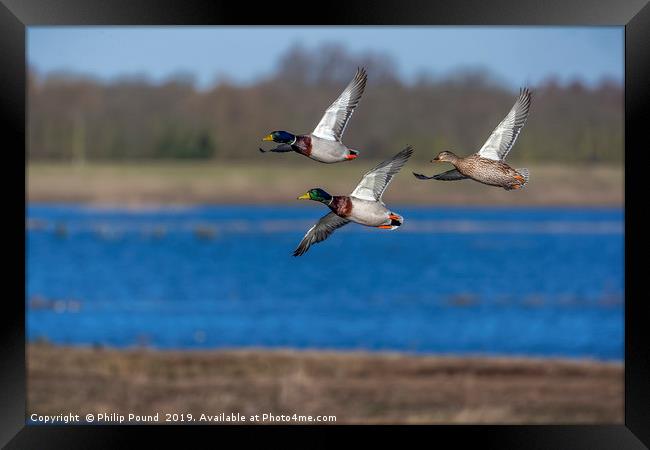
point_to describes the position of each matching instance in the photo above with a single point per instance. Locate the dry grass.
(276, 181)
(355, 387)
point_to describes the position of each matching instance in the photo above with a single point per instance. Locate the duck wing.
(319, 232)
(374, 183)
(282, 148)
(504, 136)
(450, 175)
(333, 123)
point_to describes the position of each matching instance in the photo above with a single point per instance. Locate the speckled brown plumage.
(486, 166)
(490, 172)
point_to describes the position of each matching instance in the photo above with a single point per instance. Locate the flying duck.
(488, 166)
(324, 143)
(364, 205)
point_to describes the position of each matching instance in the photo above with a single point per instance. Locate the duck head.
(281, 137)
(445, 156)
(316, 194)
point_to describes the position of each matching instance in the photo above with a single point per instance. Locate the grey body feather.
(327, 151)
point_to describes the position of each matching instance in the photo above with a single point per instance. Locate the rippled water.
(542, 281)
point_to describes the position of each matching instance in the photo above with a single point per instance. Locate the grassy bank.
(274, 180)
(355, 387)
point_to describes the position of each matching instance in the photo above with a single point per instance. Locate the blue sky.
(515, 55)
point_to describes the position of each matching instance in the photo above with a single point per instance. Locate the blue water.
(524, 281)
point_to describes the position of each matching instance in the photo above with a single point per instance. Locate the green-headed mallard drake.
(487, 165)
(363, 205)
(324, 143)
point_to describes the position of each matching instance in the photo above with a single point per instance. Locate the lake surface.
(520, 281)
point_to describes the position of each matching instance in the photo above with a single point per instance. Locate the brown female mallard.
(487, 165)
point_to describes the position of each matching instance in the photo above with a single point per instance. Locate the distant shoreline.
(210, 183)
(357, 387)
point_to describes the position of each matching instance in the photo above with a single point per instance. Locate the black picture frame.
(634, 15)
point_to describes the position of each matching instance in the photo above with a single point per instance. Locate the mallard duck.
(487, 165)
(364, 205)
(324, 143)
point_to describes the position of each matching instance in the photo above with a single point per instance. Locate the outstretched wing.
(450, 175)
(504, 136)
(319, 232)
(282, 148)
(333, 123)
(374, 183)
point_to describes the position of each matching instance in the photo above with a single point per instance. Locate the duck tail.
(352, 154)
(524, 173)
(395, 221)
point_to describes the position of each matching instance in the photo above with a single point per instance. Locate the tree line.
(72, 118)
